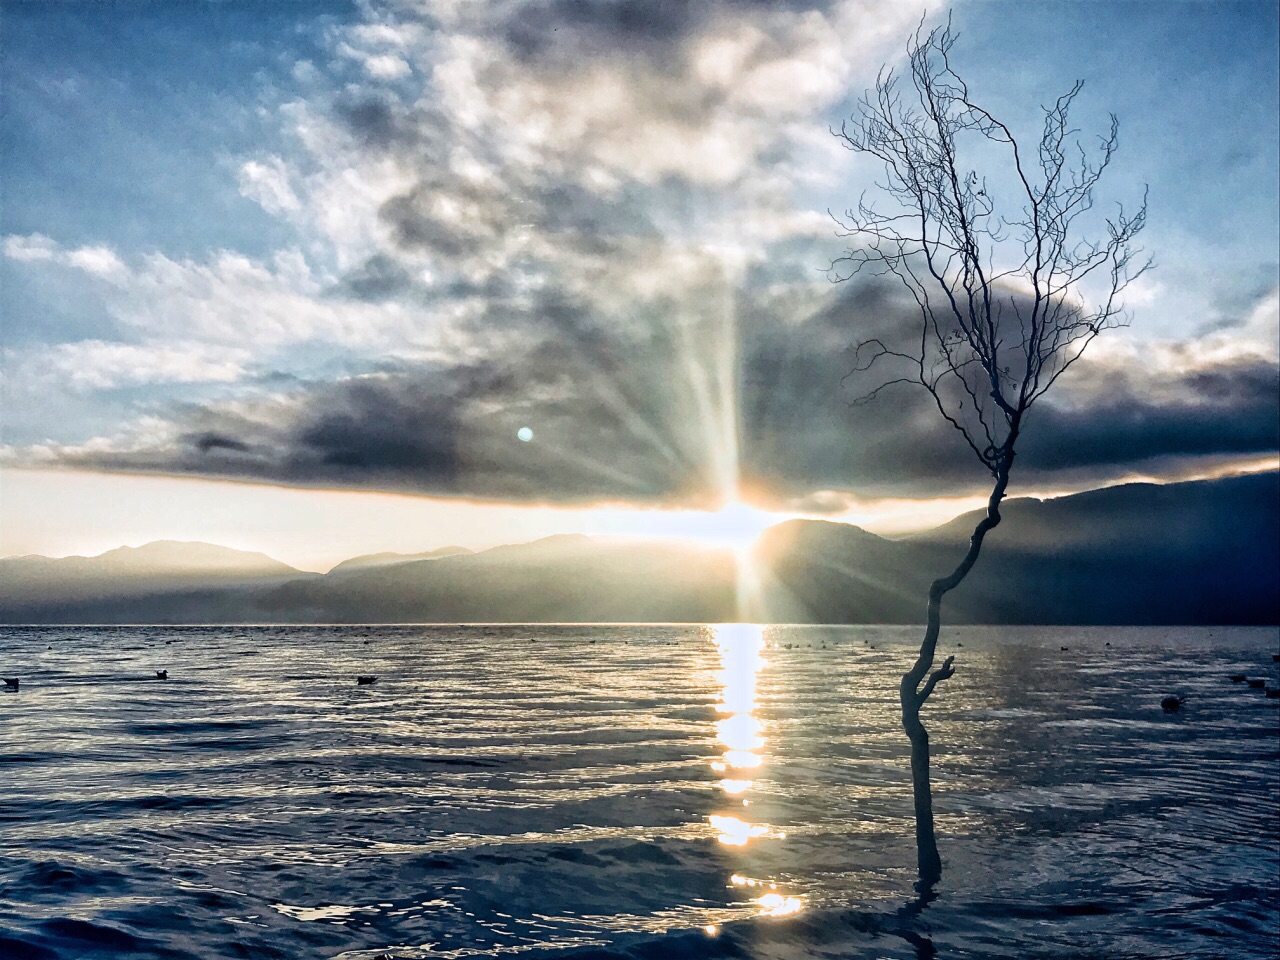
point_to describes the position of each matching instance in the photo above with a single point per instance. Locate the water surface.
(624, 791)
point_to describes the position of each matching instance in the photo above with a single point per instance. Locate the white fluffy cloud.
(103, 365)
(229, 301)
(98, 261)
(267, 183)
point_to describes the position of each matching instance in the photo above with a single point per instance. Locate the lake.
(632, 791)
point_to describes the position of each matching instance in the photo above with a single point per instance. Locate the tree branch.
(944, 672)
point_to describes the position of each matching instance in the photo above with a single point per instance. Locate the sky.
(328, 278)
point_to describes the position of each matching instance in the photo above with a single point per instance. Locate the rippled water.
(623, 791)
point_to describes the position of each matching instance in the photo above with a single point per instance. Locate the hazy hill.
(1201, 552)
(113, 583)
(1141, 517)
(389, 559)
(563, 578)
(812, 570)
(170, 561)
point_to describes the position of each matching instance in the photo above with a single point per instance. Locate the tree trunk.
(928, 862)
(913, 696)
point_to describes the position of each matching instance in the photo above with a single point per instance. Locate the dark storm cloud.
(208, 440)
(459, 221)
(802, 433)
(899, 446)
(542, 27)
(539, 29)
(1229, 409)
(377, 279)
(378, 120)
(611, 416)
(629, 411)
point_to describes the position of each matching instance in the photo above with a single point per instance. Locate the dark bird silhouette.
(1171, 704)
(1276, 657)
(1108, 643)
(1237, 678)
(365, 681)
(10, 684)
(1273, 692)
(1064, 649)
(1257, 684)
(162, 674)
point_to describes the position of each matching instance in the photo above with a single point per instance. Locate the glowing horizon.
(60, 513)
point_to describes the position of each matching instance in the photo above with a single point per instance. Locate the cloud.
(98, 261)
(1128, 407)
(231, 300)
(30, 249)
(447, 432)
(267, 184)
(100, 365)
(648, 413)
(589, 219)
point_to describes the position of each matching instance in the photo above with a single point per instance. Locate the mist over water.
(632, 791)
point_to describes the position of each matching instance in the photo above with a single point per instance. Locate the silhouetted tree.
(1007, 301)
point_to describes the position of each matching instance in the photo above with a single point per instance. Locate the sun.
(737, 525)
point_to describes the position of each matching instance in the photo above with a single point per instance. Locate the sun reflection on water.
(740, 732)
(736, 832)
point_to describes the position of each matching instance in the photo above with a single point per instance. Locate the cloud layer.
(596, 221)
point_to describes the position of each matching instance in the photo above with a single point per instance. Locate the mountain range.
(1201, 552)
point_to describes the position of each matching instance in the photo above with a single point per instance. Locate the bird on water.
(162, 674)
(10, 684)
(365, 681)
(1171, 704)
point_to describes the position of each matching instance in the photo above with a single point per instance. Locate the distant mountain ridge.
(390, 559)
(1197, 552)
(158, 572)
(567, 578)
(170, 556)
(1201, 552)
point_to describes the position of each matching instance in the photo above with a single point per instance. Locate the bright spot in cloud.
(525, 434)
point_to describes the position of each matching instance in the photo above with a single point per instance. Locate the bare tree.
(1007, 301)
